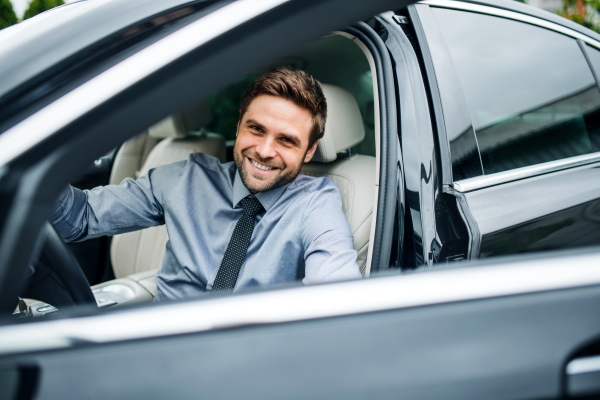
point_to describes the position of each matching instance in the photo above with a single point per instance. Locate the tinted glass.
(530, 92)
(594, 57)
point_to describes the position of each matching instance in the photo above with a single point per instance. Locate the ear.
(311, 152)
(238, 128)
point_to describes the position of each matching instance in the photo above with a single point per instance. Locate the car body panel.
(34, 45)
(461, 159)
(499, 329)
(544, 206)
(513, 217)
(511, 347)
(457, 333)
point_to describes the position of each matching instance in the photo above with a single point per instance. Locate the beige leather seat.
(131, 157)
(355, 176)
(140, 251)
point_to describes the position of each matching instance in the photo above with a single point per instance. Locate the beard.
(283, 177)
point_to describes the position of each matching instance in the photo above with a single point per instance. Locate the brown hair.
(296, 86)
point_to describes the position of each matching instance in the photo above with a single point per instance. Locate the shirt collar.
(267, 199)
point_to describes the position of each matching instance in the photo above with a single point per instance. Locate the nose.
(266, 148)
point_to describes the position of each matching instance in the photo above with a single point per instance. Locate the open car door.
(524, 329)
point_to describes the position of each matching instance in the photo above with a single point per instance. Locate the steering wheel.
(61, 261)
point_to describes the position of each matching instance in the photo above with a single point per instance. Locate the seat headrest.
(344, 127)
(179, 125)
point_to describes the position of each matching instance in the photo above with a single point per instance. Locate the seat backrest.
(131, 157)
(143, 250)
(133, 153)
(355, 176)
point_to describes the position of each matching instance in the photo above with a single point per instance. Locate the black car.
(457, 131)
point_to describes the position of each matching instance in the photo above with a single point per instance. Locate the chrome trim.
(584, 365)
(481, 182)
(109, 83)
(457, 5)
(430, 287)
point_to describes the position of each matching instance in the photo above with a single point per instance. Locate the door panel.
(554, 211)
(501, 348)
(573, 227)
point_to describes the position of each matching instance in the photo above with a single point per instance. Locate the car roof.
(32, 46)
(36, 44)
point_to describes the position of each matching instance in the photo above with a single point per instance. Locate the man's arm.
(328, 240)
(109, 210)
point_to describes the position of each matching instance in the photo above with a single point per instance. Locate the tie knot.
(251, 206)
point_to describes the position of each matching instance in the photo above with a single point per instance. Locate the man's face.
(272, 143)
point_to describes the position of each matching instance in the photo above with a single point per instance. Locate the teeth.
(260, 166)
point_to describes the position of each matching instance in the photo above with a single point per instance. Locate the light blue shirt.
(303, 234)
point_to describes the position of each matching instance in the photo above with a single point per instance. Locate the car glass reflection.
(593, 55)
(530, 92)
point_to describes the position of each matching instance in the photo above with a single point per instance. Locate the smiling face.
(272, 143)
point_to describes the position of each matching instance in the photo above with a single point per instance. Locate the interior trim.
(428, 287)
(511, 15)
(113, 81)
(484, 181)
(388, 156)
(371, 60)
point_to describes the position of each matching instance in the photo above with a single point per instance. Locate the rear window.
(530, 91)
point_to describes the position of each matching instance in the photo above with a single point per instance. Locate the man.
(249, 223)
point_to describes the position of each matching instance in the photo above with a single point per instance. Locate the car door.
(460, 332)
(432, 228)
(517, 103)
(522, 330)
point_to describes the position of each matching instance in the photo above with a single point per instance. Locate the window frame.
(484, 181)
(33, 173)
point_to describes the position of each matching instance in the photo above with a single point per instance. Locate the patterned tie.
(238, 245)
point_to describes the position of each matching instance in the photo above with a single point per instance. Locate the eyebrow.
(254, 122)
(295, 141)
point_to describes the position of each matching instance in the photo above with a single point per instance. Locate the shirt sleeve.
(113, 209)
(328, 240)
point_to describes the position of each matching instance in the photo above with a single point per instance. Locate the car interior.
(347, 154)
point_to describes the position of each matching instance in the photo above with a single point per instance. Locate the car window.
(209, 126)
(530, 92)
(333, 60)
(594, 58)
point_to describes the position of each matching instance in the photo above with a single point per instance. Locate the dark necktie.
(238, 245)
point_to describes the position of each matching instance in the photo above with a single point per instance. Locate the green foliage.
(7, 14)
(39, 6)
(225, 107)
(584, 12)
